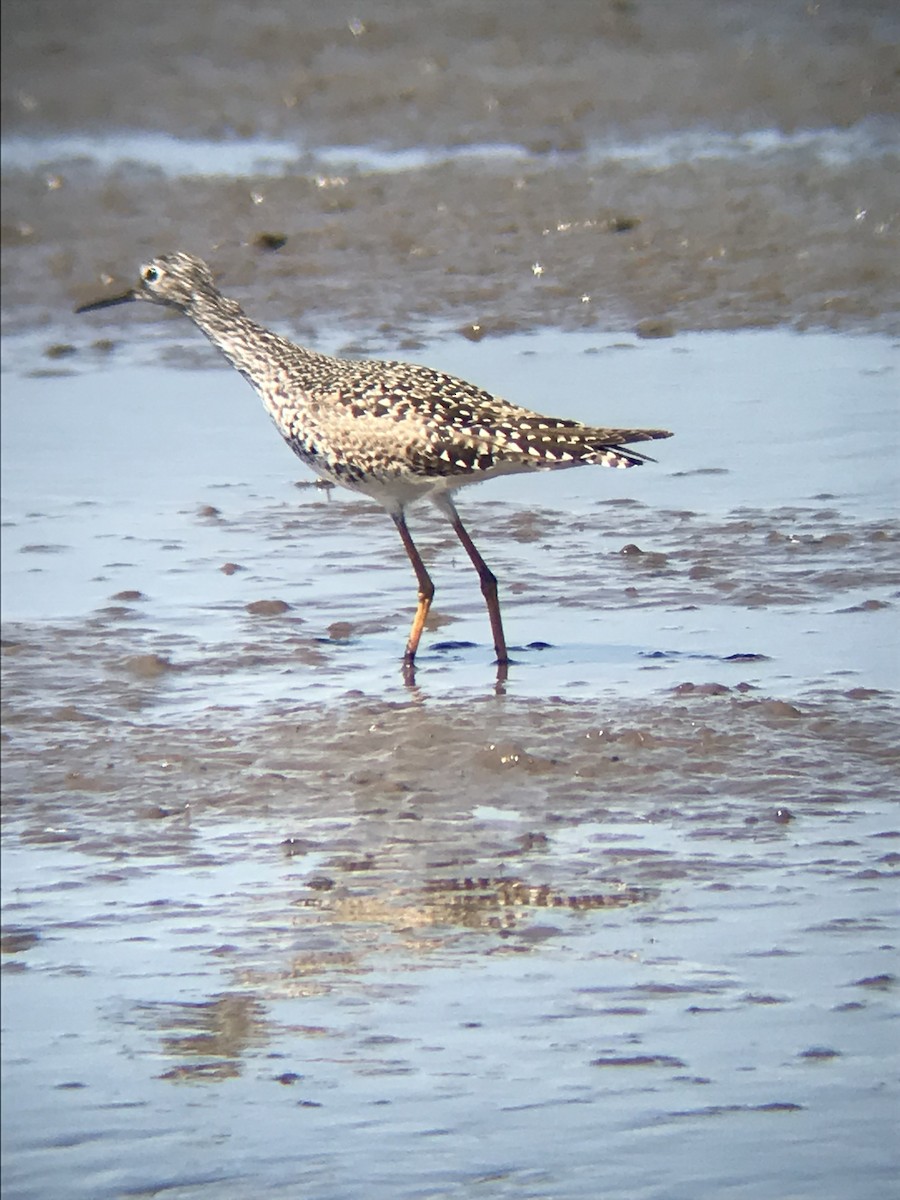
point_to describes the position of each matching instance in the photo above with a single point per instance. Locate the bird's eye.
(150, 274)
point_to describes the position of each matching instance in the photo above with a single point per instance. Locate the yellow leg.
(426, 589)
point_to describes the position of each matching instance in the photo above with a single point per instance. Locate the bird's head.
(175, 280)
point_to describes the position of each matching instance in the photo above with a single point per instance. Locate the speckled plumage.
(395, 431)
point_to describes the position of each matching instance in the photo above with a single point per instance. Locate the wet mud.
(663, 167)
(643, 880)
(276, 919)
(370, 912)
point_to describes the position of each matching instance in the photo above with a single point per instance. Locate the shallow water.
(605, 926)
(623, 924)
(297, 934)
(867, 140)
(767, 528)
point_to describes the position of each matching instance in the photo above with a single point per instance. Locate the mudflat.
(706, 165)
(275, 921)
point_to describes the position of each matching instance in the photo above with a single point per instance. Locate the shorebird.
(394, 431)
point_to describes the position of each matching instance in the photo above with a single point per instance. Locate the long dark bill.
(107, 303)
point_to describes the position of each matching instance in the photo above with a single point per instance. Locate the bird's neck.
(249, 347)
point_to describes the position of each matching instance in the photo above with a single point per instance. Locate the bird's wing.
(455, 411)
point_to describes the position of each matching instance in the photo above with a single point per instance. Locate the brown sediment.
(569, 233)
(239, 854)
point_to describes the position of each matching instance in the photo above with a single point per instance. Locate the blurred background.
(454, 164)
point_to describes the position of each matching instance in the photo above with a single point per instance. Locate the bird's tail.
(609, 447)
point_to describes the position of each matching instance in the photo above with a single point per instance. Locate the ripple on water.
(253, 880)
